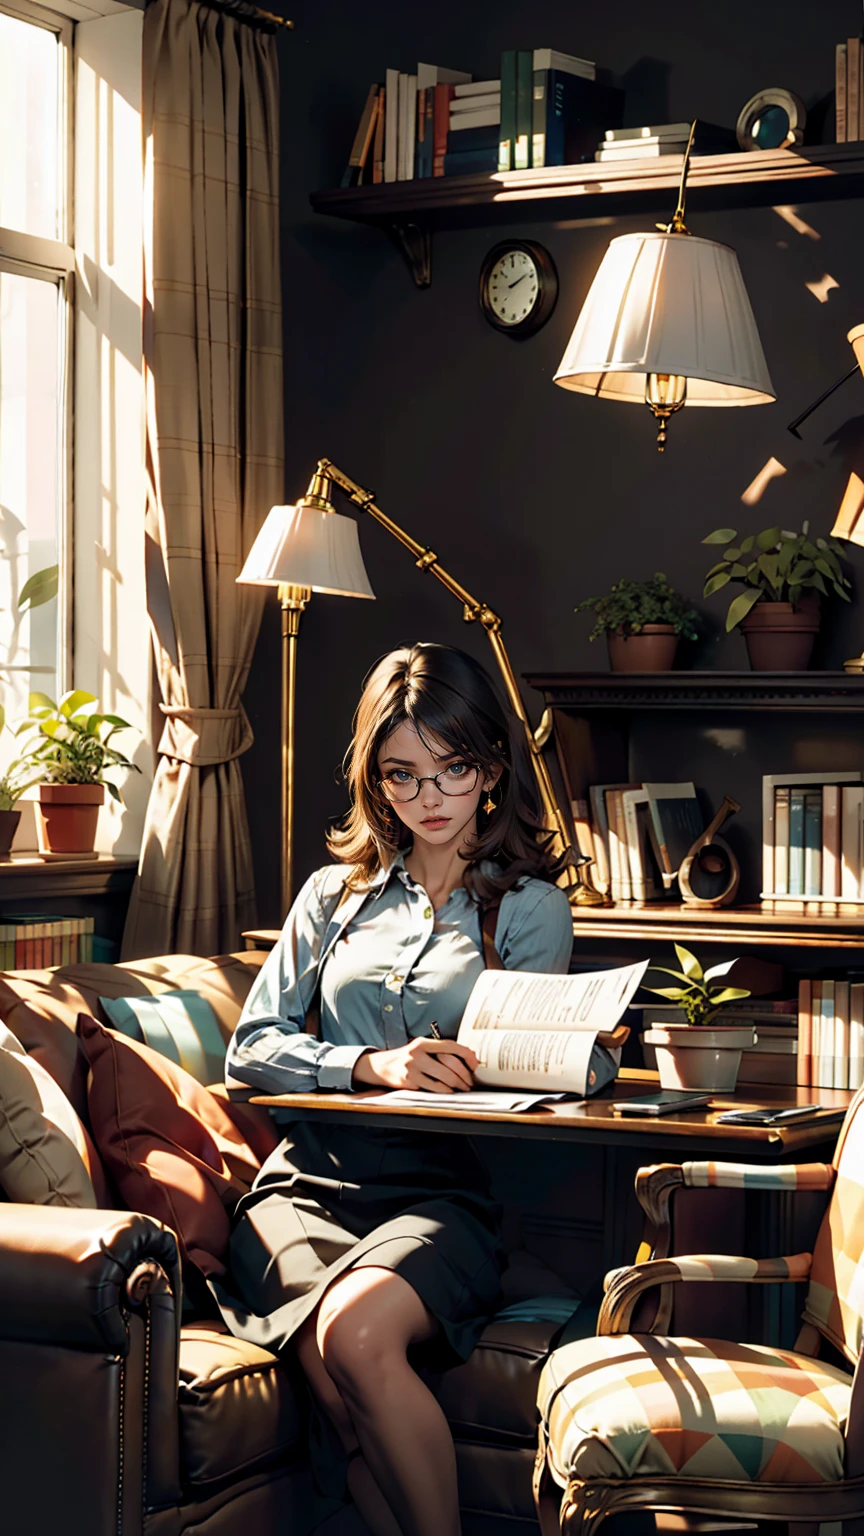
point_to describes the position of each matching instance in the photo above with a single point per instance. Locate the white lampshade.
(667, 304)
(308, 548)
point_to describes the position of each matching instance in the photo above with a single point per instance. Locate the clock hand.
(518, 280)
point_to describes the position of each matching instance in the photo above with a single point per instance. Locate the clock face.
(513, 287)
(518, 287)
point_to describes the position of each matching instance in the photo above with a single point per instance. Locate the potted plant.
(699, 1052)
(642, 622)
(18, 776)
(69, 747)
(783, 575)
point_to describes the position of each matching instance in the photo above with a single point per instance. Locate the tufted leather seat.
(238, 1407)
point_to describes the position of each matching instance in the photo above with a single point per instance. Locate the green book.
(796, 843)
(507, 132)
(524, 109)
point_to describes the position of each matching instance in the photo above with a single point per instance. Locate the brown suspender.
(488, 926)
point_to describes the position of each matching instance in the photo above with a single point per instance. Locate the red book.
(805, 1033)
(441, 127)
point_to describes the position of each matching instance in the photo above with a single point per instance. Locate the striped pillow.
(181, 1026)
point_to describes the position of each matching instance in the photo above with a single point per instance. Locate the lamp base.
(586, 896)
(856, 664)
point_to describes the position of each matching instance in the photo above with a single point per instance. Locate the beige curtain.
(213, 366)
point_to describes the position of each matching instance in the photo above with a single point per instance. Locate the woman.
(363, 1245)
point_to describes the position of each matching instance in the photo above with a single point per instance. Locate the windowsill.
(29, 873)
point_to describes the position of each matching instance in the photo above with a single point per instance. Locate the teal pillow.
(179, 1025)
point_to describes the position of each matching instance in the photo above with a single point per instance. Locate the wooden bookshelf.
(627, 691)
(411, 210)
(750, 925)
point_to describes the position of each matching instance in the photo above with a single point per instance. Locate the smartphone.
(768, 1116)
(663, 1103)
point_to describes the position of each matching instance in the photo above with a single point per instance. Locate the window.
(36, 263)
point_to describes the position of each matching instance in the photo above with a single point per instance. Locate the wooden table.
(574, 1198)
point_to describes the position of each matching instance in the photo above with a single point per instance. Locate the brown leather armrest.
(71, 1277)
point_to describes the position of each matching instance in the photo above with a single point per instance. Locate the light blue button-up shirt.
(389, 965)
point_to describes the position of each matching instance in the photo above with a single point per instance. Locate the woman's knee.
(322, 1385)
(365, 1325)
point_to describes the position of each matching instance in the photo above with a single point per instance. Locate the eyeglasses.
(457, 779)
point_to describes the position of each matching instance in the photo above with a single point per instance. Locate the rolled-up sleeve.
(270, 1049)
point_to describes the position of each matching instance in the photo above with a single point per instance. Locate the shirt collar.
(396, 869)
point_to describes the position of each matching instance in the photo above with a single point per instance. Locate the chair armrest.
(71, 1277)
(625, 1286)
(656, 1185)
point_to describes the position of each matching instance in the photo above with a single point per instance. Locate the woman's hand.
(422, 1064)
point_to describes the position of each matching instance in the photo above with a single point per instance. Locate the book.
(440, 125)
(473, 138)
(796, 842)
(781, 840)
(391, 124)
(524, 118)
(479, 103)
(840, 92)
(827, 1045)
(534, 1031)
(770, 782)
(677, 822)
(378, 139)
(464, 92)
(856, 1034)
(853, 89)
(642, 883)
(812, 842)
(507, 138)
(487, 117)
(569, 116)
(432, 74)
(815, 1032)
(353, 173)
(471, 162)
(841, 1035)
(851, 807)
(423, 151)
(676, 131)
(830, 840)
(619, 859)
(550, 58)
(805, 1032)
(408, 125)
(600, 831)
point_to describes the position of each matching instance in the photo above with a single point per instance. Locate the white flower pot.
(700, 1056)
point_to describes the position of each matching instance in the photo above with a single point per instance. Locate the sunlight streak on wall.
(822, 289)
(757, 487)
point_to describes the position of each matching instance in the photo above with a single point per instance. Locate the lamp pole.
(293, 600)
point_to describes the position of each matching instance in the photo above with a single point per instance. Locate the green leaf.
(40, 588)
(747, 544)
(731, 554)
(768, 538)
(39, 701)
(741, 607)
(720, 536)
(768, 566)
(824, 567)
(738, 571)
(113, 791)
(720, 970)
(688, 962)
(728, 994)
(668, 971)
(720, 566)
(75, 700)
(816, 581)
(715, 583)
(674, 994)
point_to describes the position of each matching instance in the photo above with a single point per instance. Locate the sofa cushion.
(44, 1157)
(42, 1007)
(169, 1145)
(179, 1025)
(238, 1406)
(493, 1396)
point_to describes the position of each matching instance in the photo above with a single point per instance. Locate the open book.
(537, 1032)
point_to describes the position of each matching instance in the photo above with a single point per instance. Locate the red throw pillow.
(170, 1147)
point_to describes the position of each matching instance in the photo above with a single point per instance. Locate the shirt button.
(427, 912)
(388, 1007)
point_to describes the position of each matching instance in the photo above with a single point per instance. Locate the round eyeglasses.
(456, 779)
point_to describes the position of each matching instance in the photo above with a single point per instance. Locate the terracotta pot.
(66, 817)
(8, 826)
(704, 1056)
(780, 638)
(652, 650)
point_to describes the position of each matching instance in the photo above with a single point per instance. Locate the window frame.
(53, 261)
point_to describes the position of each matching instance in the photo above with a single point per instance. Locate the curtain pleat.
(213, 375)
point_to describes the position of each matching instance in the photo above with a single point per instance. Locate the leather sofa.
(123, 1415)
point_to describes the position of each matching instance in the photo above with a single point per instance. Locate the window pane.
(30, 61)
(30, 382)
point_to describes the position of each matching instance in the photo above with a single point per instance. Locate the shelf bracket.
(415, 242)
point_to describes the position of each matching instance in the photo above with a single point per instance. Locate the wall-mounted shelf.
(747, 925)
(411, 210)
(831, 691)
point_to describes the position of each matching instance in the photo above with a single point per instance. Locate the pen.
(436, 1033)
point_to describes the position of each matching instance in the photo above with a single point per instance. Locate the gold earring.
(490, 805)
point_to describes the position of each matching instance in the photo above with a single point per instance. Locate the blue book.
(570, 116)
(813, 842)
(796, 843)
(524, 109)
(507, 134)
(461, 139)
(471, 162)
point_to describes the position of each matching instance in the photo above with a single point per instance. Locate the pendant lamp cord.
(677, 225)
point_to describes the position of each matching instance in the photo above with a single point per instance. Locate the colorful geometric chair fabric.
(646, 1421)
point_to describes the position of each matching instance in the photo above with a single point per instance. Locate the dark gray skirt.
(333, 1198)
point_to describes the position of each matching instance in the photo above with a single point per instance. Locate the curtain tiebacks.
(204, 737)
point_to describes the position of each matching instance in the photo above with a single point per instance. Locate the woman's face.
(433, 816)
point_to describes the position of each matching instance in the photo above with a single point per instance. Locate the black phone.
(663, 1103)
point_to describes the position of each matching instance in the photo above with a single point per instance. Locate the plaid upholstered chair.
(642, 1421)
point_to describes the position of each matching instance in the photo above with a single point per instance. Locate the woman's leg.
(365, 1325)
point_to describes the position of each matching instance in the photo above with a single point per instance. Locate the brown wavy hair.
(449, 698)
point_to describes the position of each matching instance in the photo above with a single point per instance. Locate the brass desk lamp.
(310, 548)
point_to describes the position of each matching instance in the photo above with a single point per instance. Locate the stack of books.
(831, 1034)
(28, 942)
(639, 834)
(813, 838)
(546, 108)
(849, 90)
(665, 139)
(775, 1056)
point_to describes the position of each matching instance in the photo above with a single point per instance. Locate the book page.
(528, 1000)
(552, 1059)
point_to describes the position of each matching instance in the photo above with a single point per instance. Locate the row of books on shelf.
(545, 108)
(831, 1034)
(638, 836)
(32, 944)
(813, 837)
(849, 90)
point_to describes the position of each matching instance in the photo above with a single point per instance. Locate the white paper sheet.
(470, 1100)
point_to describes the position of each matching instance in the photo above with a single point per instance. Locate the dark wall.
(533, 497)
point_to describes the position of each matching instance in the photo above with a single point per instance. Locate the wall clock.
(518, 287)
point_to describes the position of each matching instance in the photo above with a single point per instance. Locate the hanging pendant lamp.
(667, 321)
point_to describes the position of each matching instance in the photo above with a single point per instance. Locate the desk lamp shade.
(305, 547)
(667, 321)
